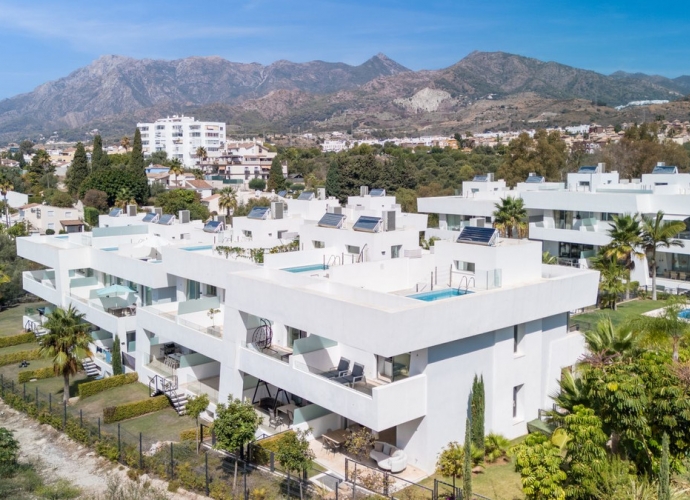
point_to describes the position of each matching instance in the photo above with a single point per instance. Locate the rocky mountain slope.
(114, 92)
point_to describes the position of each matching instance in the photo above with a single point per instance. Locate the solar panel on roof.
(150, 217)
(588, 169)
(166, 219)
(368, 224)
(478, 235)
(115, 212)
(533, 179)
(213, 226)
(259, 213)
(663, 169)
(377, 192)
(332, 220)
(306, 195)
(282, 193)
(480, 178)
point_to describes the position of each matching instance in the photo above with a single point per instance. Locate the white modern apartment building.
(198, 306)
(181, 136)
(572, 219)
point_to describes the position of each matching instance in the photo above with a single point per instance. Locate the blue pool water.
(109, 249)
(685, 314)
(304, 269)
(446, 293)
(198, 247)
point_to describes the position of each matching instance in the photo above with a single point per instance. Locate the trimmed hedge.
(91, 388)
(19, 356)
(188, 435)
(130, 410)
(22, 338)
(27, 375)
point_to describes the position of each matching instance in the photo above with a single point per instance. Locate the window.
(195, 134)
(395, 251)
(160, 127)
(518, 402)
(143, 128)
(352, 249)
(211, 290)
(518, 335)
(193, 290)
(394, 368)
(454, 222)
(464, 266)
(318, 244)
(68, 214)
(248, 234)
(51, 225)
(51, 213)
(294, 334)
(607, 216)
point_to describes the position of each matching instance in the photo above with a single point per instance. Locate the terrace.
(204, 315)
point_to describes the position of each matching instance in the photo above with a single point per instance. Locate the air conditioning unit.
(158, 210)
(363, 190)
(131, 210)
(277, 209)
(183, 216)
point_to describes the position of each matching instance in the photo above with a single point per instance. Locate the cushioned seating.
(388, 457)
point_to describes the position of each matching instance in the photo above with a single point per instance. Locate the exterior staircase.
(90, 368)
(168, 386)
(36, 328)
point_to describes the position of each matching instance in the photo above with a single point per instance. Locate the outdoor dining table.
(286, 409)
(337, 437)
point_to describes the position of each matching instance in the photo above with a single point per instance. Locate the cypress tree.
(333, 182)
(78, 170)
(477, 412)
(276, 181)
(97, 153)
(467, 464)
(136, 162)
(117, 357)
(664, 470)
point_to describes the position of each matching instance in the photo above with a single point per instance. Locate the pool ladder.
(466, 280)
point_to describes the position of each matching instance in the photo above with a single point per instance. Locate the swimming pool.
(304, 269)
(685, 314)
(198, 247)
(446, 293)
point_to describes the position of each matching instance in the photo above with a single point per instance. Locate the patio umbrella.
(114, 290)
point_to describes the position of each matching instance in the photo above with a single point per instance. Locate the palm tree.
(606, 341)
(5, 187)
(511, 214)
(657, 233)
(626, 237)
(176, 169)
(124, 197)
(228, 200)
(547, 258)
(201, 152)
(124, 142)
(67, 343)
(611, 279)
(667, 325)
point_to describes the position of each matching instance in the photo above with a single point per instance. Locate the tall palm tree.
(511, 214)
(5, 187)
(657, 233)
(666, 326)
(124, 142)
(228, 200)
(177, 170)
(124, 197)
(626, 237)
(612, 274)
(67, 343)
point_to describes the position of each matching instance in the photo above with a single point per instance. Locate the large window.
(395, 251)
(680, 263)
(573, 250)
(294, 334)
(193, 290)
(395, 367)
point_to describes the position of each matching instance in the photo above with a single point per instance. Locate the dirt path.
(58, 457)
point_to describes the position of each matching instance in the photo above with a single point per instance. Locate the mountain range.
(115, 92)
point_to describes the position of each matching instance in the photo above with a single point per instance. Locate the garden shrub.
(92, 388)
(28, 375)
(22, 338)
(130, 410)
(19, 356)
(261, 451)
(188, 435)
(108, 450)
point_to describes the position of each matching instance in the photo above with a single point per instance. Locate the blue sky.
(43, 41)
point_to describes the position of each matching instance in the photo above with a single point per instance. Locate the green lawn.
(163, 425)
(11, 319)
(93, 406)
(624, 312)
(19, 347)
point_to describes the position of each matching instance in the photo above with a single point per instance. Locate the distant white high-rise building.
(181, 136)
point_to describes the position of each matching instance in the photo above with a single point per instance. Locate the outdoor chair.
(340, 370)
(356, 375)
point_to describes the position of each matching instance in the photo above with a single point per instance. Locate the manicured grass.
(55, 385)
(92, 407)
(624, 313)
(11, 319)
(16, 348)
(163, 425)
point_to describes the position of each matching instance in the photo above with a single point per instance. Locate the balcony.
(586, 232)
(41, 284)
(372, 403)
(115, 314)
